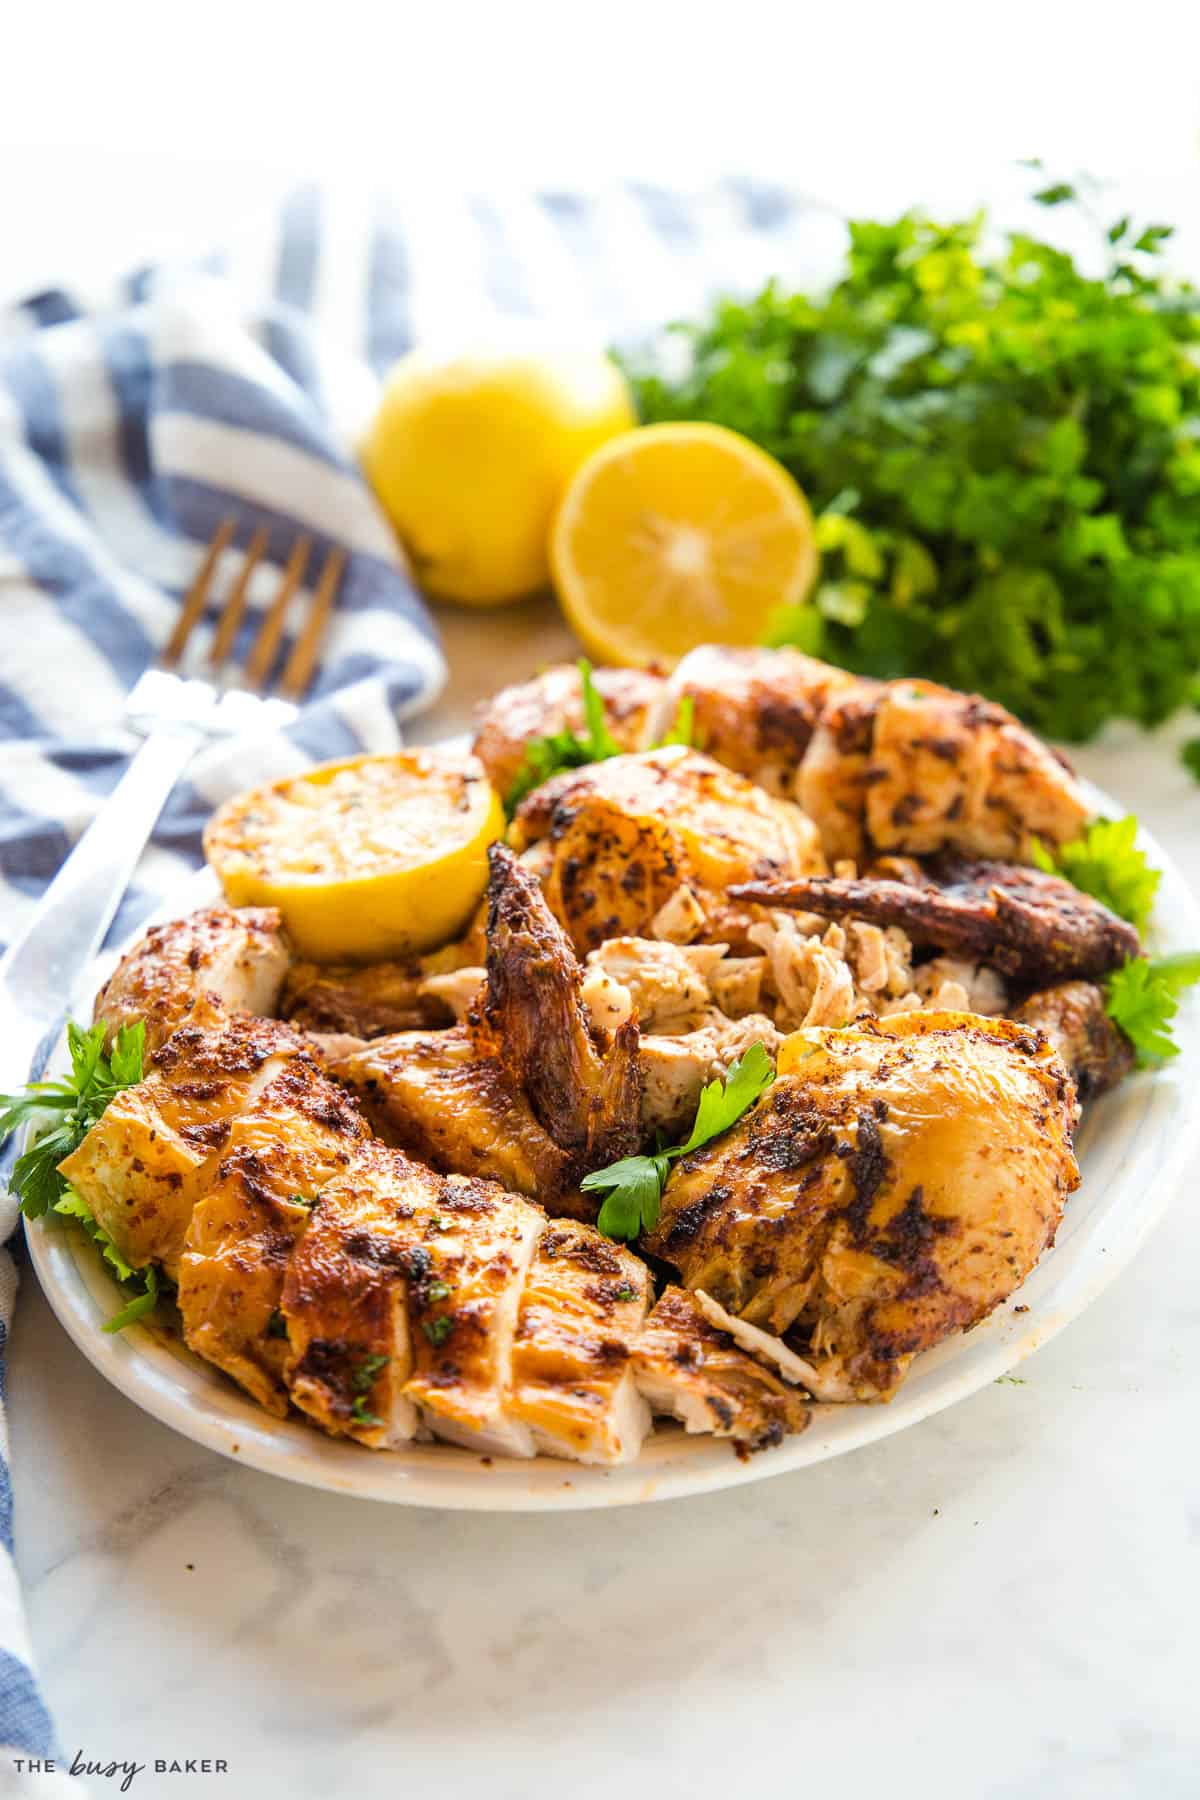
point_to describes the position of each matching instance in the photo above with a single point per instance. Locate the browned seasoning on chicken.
(236, 955)
(1032, 926)
(898, 1181)
(588, 1095)
(526, 1091)
(1074, 1018)
(692, 1371)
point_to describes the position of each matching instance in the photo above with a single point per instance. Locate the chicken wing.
(586, 1095)
(1032, 926)
(236, 954)
(638, 838)
(553, 701)
(897, 1182)
(527, 1092)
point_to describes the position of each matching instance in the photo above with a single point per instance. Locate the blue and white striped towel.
(130, 425)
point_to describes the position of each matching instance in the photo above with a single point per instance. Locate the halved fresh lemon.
(676, 535)
(374, 857)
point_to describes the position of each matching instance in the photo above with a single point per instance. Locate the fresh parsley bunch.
(62, 1113)
(1005, 451)
(634, 1185)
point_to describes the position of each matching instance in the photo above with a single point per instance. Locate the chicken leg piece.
(1032, 926)
(898, 1181)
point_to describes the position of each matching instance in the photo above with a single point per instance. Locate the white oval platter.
(1133, 1148)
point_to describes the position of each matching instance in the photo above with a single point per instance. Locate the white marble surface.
(1001, 1602)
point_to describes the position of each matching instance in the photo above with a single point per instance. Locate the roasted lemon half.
(374, 857)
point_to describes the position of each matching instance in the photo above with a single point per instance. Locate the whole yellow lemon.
(470, 455)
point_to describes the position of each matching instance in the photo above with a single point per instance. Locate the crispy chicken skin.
(913, 767)
(754, 710)
(406, 1288)
(447, 1098)
(1072, 1015)
(581, 1313)
(237, 954)
(300, 1133)
(692, 1371)
(897, 1182)
(587, 1095)
(553, 701)
(628, 835)
(1032, 926)
(526, 1092)
(142, 1167)
(879, 765)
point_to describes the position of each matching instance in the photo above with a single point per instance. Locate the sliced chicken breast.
(298, 1134)
(581, 1310)
(690, 1370)
(426, 1271)
(144, 1165)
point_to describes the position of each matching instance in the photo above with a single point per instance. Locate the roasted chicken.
(239, 956)
(1031, 926)
(646, 846)
(1073, 1017)
(528, 1091)
(835, 873)
(897, 1182)
(691, 1369)
(142, 1168)
(553, 702)
(903, 766)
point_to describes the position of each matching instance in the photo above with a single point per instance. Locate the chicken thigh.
(898, 1181)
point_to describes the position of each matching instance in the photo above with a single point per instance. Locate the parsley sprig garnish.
(567, 749)
(361, 1382)
(65, 1111)
(1142, 997)
(634, 1185)
(1107, 864)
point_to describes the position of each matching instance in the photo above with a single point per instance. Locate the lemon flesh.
(469, 457)
(374, 857)
(678, 535)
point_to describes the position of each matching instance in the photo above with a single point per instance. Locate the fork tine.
(235, 606)
(302, 661)
(262, 654)
(197, 594)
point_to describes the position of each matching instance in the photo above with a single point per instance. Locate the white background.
(132, 128)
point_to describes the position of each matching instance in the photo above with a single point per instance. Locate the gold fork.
(300, 664)
(173, 715)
